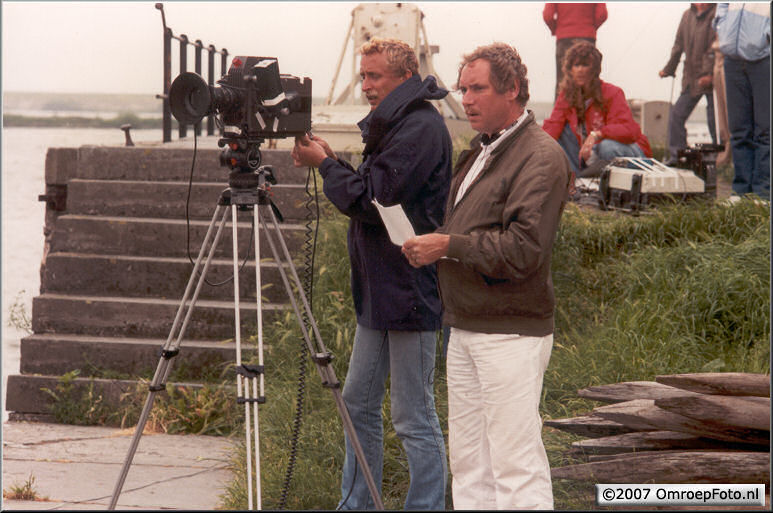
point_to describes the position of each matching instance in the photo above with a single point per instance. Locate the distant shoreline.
(17, 120)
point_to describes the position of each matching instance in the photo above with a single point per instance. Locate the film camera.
(252, 97)
(254, 102)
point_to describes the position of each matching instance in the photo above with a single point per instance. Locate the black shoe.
(594, 170)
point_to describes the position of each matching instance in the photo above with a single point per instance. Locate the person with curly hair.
(493, 258)
(591, 119)
(407, 162)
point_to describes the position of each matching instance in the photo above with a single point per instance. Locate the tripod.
(248, 190)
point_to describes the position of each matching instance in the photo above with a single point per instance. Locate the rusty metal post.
(182, 129)
(167, 115)
(211, 82)
(198, 46)
(223, 70)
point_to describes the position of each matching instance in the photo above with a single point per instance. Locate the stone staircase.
(115, 268)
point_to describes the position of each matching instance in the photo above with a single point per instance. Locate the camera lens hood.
(189, 98)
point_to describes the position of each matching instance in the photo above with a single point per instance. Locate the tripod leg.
(322, 358)
(241, 385)
(170, 349)
(255, 395)
(248, 375)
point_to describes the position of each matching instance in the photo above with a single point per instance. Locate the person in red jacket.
(591, 119)
(571, 23)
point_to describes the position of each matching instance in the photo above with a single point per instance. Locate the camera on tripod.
(254, 103)
(252, 98)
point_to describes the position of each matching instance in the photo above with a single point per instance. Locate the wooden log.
(588, 426)
(654, 441)
(744, 412)
(643, 415)
(720, 383)
(629, 390)
(673, 467)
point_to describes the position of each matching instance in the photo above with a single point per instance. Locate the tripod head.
(248, 182)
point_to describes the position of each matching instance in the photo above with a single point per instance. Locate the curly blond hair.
(400, 57)
(507, 69)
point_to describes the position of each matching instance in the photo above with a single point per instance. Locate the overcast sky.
(116, 47)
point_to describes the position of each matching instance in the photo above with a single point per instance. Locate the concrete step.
(156, 164)
(141, 236)
(160, 277)
(143, 317)
(26, 394)
(167, 199)
(56, 354)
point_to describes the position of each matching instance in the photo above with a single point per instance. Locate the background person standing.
(693, 38)
(743, 30)
(570, 23)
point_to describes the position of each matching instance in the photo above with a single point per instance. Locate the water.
(23, 179)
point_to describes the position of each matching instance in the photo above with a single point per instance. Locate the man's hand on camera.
(426, 249)
(308, 153)
(325, 146)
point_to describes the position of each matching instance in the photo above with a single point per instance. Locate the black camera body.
(252, 97)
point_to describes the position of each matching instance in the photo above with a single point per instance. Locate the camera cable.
(309, 255)
(188, 222)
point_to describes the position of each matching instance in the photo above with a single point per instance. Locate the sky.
(116, 47)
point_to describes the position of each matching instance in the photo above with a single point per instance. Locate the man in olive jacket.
(493, 252)
(694, 38)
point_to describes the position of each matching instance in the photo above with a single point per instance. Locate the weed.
(22, 492)
(18, 316)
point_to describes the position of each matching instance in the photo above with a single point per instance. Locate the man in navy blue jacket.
(406, 161)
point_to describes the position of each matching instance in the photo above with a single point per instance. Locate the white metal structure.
(388, 20)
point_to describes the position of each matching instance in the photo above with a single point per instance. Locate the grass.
(683, 288)
(22, 492)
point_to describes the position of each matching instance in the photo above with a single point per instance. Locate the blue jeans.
(677, 133)
(409, 358)
(747, 87)
(607, 149)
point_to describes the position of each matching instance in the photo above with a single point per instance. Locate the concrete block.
(26, 394)
(57, 354)
(121, 275)
(157, 237)
(143, 317)
(61, 165)
(166, 199)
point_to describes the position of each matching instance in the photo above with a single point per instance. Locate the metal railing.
(198, 46)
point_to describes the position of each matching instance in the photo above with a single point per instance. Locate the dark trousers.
(677, 133)
(562, 45)
(747, 86)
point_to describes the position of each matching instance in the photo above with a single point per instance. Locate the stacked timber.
(682, 428)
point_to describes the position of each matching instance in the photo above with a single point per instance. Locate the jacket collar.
(475, 143)
(393, 108)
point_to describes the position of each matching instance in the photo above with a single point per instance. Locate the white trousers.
(497, 457)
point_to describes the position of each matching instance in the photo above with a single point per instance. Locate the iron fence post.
(198, 46)
(211, 82)
(167, 116)
(182, 129)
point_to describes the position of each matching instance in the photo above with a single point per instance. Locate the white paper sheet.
(397, 224)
